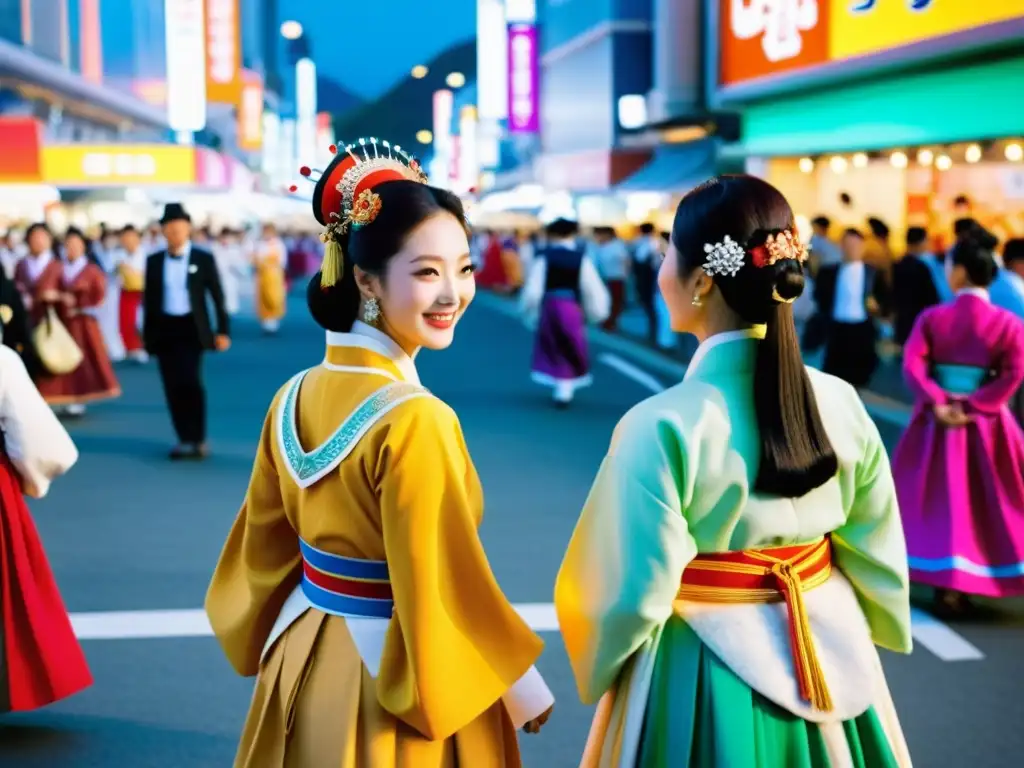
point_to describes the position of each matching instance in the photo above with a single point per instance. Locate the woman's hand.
(534, 726)
(951, 414)
(49, 297)
(68, 299)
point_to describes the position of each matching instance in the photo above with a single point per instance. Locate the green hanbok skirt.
(700, 714)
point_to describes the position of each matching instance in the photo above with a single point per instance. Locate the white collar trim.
(981, 293)
(755, 332)
(367, 337)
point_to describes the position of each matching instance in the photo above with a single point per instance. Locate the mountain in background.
(334, 98)
(408, 106)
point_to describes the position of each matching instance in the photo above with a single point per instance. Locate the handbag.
(55, 346)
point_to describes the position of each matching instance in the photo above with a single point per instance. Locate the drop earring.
(696, 300)
(371, 311)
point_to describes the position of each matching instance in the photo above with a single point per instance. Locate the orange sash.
(767, 576)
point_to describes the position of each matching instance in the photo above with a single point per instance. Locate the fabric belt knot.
(765, 576)
(346, 586)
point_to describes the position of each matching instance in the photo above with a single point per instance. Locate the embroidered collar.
(72, 269)
(980, 293)
(756, 332)
(367, 337)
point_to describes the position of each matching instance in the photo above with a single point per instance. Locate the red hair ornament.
(344, 195)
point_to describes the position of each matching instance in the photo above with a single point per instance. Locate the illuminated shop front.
(904, 107)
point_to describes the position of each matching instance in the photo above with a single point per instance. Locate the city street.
(133, 540)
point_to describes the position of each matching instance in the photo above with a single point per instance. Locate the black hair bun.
(983, 239)
(788, 282)
(324, 305)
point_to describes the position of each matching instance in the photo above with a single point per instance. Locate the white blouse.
(34, 439)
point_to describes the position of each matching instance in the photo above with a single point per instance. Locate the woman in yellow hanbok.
(354, 584)
(271, 290)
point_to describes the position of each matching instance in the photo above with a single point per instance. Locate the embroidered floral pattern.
(309, 465)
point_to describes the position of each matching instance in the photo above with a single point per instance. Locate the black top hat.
(175, 212)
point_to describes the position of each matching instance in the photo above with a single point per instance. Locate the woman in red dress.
(40, 659)
(79, 291)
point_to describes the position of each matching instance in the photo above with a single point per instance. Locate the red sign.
(21, 160)
(759, 38)
(223, 51)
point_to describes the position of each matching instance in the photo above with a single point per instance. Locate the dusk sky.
(368, 56)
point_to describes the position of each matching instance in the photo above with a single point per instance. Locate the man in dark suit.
(849, 296)
(177, 328)
(914, 284)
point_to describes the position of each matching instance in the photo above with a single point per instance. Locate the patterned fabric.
(308, 467)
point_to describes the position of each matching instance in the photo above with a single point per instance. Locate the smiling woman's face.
(428, 285)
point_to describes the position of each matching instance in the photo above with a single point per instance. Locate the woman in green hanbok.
(740, 554)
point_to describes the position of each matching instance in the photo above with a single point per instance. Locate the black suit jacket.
(203, 282)
(17, 331)
(913, 291)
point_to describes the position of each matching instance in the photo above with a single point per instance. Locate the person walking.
(177, 329)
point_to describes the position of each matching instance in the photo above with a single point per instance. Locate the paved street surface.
(129, 532)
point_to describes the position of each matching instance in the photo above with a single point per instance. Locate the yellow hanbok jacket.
(435, 684)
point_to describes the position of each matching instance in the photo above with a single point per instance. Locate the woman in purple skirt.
(959, 467)
(562, 293)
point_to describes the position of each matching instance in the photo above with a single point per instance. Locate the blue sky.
(367, 57)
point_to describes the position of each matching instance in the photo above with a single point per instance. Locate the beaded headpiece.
(728, 257)
(344, 195)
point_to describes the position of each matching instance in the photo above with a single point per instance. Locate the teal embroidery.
(308, 465)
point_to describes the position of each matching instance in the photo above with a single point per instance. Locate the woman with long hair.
(959, 465)
(76, 299)
(40, 658)
(740, 553)
(354, 583)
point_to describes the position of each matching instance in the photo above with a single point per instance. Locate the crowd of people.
(380, 637)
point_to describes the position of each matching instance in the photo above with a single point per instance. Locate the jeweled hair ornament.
(723, 258)
(344, 195)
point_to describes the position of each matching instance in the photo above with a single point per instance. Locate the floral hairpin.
(779, 247)
(724, 258)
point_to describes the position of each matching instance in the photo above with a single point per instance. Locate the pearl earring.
(696, 300)
(371, 311)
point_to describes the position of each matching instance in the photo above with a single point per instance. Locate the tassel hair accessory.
(344, 198)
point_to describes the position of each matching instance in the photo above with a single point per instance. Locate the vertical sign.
(305, 109)
(491, 60)
(90, 50)
(223, 51)
(469, 158)
(185, 35)
(523, 79)
(444, 105)
(250, 112)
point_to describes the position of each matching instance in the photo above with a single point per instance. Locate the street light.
(455, 80)
(291, 30)
(419, 71)
(424, 136)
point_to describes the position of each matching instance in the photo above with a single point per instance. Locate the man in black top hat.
(176, 326)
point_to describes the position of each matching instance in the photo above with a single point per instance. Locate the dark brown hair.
(796, 454)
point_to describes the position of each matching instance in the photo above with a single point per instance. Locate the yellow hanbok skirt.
(315, 706)
(270, 292)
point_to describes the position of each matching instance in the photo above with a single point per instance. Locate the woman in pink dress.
(80, 290)
(959, 467)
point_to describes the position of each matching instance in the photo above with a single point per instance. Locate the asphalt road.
(129, 532)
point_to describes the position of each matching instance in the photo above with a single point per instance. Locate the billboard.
(186, 64)
(523, 79)
(223, 51)
(118, 165)
(22, 140)
(764, 38)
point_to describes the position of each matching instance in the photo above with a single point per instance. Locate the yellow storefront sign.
(81, 165)
(861, 27)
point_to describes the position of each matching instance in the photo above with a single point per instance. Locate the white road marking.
(151, 625)
(940, 639)
(639, 375)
